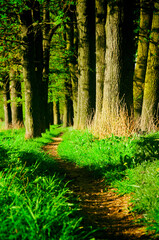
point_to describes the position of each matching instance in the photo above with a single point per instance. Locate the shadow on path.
(101, 208)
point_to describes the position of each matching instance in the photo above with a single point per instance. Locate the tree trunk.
(118, 81)
(100, 54)
(151, 89)
(7, 107)
(142, 54)
(113, 60)
(16, 105)
(32, 71)
(86, 61)
(56, 112)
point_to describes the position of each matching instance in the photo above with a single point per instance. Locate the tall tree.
(100, 53)
(32, 68)
(113, 59)
(86, 61)
(8, 51)
(142, 54)
(151, 89)
(118, 80)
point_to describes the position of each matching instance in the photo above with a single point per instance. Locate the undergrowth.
(131, 164)
(35, 202)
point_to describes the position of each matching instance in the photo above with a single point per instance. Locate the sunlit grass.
(131, 164)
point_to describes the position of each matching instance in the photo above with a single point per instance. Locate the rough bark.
(118, 80)
(113, 60)
(6, 99)
(151, 89)
(100, 53)
(86, 61)
(142, 54)
(16, 105)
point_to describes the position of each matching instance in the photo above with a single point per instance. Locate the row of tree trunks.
(117, 88)
(105, 44)
(36, 36)
(12, 100)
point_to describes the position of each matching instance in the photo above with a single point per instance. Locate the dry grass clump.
(118, 123)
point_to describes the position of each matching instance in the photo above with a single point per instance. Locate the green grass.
(107, 157)
(35, 202)
(130, 164)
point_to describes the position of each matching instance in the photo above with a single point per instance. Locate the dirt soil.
(101, 206)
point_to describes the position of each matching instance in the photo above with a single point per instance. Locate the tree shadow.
(3, 158)
(147, 149)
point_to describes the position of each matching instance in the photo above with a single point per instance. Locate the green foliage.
(59, 70)
(129, 164)
(35, 202)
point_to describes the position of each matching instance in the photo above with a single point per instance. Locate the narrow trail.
(100, 208)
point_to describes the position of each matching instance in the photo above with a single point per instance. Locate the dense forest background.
(83, 63)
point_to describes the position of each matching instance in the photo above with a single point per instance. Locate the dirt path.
(103, 209)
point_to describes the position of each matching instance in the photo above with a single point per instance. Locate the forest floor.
(101, 206)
